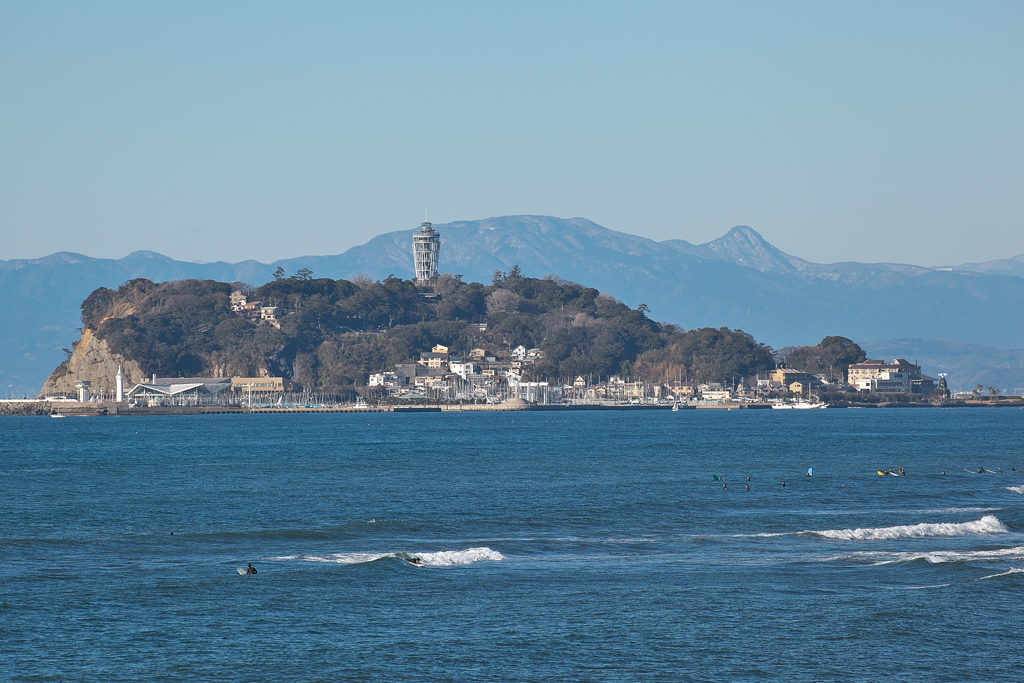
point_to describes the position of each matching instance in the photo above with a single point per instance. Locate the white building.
(462, 368)
(897, 377)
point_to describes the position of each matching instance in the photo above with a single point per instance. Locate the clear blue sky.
(231, 130)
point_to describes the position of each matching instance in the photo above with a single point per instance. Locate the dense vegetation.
(334, 332)
(831, 357)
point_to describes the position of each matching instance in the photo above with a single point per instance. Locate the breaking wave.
(986, 525)
(1016, 489)
(443, 558)
(948, 556)
(447, 558)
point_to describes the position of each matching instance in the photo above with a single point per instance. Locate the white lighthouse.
(426, 253)
(119, 382)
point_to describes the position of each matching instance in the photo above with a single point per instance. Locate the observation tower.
(426, 252)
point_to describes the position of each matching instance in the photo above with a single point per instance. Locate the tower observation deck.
(426, 253)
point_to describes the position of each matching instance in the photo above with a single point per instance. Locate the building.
(713, 391)
(188, 391)
(462, 367)
(897, 377)
(786, 376)
(268, 314)
(426, 253)
(261, 385)
(385, 379)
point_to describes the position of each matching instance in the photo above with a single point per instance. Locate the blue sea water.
(582, 546)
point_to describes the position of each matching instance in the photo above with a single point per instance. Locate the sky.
(867, 131)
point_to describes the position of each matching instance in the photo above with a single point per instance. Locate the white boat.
(57, 415)
(799, 405)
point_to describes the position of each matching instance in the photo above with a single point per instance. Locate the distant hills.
(738, 280)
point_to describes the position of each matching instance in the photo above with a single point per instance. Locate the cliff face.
(93, 361)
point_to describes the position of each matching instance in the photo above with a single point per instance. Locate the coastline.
(37, 407)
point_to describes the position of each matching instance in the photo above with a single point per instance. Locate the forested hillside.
(333, 333)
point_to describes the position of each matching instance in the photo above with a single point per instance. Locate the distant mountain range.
(738, 280)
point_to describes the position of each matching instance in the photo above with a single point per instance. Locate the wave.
(949, 556)
(442, 558)
(1008, 572)
(447, 558)
(1016, 489)
(986, 525)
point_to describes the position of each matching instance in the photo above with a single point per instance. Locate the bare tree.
(503, 301)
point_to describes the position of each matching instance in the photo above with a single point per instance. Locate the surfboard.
(715, 477)
(240, 570)
(810, 471)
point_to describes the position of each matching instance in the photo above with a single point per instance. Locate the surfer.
(981, 470)
(783, 484)
(250, 569)
(725, 486)
(902, 471)
(748, 486)
(414, 560)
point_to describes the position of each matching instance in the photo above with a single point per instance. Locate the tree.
(279, 273)
(500, 279)
(831, 356)
(303, 274)
(503, 302)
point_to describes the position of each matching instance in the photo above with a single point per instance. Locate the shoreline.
(73, 409)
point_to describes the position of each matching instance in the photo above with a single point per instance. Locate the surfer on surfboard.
(250, 569)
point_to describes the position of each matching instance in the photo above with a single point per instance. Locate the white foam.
(444, 558)
(1016, 489)
(986, 525)
(944, 556)
(338, 558)
(448, 558)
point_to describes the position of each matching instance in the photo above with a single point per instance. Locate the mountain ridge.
(739, 280)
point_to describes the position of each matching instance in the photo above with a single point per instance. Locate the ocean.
(570, 546)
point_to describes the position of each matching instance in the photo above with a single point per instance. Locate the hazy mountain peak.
(1007, 266)
(745, 246)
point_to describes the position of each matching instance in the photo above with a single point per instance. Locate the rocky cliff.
(93, 360)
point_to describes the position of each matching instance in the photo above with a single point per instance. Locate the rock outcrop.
(93, 360)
